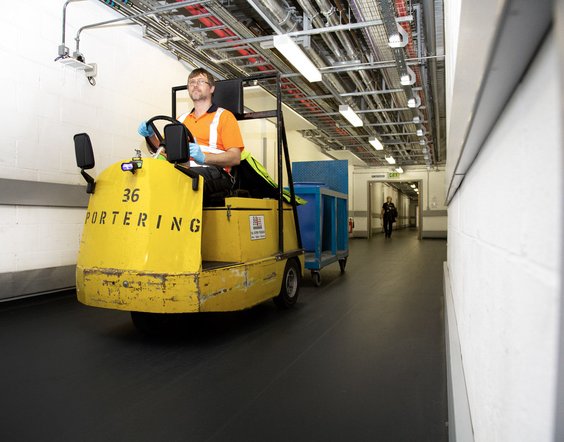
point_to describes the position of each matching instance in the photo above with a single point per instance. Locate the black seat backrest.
(228, 94)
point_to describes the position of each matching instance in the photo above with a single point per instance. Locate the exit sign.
(393, 174)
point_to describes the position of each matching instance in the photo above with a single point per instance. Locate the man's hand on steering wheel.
(152, 135)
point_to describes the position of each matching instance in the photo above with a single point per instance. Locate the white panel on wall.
(505, 232)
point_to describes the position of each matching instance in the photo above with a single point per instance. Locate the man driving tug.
(218, 140)
(167, 251)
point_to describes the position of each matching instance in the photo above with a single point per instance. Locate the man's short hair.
(201, 71)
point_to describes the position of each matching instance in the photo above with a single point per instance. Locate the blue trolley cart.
(324, 219)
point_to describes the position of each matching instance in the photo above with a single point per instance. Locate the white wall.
(44, 104)
(505, 231)
(377, 195)
(470, 33)
(403, 212)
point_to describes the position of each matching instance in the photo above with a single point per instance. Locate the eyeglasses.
(199, 82)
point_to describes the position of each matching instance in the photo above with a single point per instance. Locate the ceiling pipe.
(365, 9)
(431, 31)
(332, 82)
(362, 83)
(279, 16)
(367, 80)
(158, 10)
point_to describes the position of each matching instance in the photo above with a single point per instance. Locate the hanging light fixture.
(414, 102)
(408, 78)
(390, 159)
(376, 143)
(347, 112)
(398, 39)
(289, 49)
(399, 169)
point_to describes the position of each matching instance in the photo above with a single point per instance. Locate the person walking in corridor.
(389, 215)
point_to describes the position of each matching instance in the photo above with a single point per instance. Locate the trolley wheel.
(152, 323)
(316, 277)
(290, 285)
(342, 264)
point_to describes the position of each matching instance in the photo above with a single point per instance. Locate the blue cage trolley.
(324, 219)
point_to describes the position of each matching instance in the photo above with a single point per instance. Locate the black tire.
(152, 323)
(316, 278)
(288, 295)
(342, 264)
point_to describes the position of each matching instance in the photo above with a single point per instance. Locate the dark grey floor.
(359, 359)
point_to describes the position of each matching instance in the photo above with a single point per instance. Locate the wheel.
(152, 323)
(290, 285)
(343, 264)
(316, 277)
(151, 122)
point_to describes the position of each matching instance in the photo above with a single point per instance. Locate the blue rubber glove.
(196, 153)
(145, 130)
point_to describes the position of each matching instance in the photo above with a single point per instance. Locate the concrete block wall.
(504, 263)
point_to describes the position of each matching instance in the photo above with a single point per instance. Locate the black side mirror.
(83, 151)
(84, 158)
(176, 138)
(176, 141)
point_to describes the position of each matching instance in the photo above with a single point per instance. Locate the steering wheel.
(151, 122)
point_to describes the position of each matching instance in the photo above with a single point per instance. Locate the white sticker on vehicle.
(257, 227)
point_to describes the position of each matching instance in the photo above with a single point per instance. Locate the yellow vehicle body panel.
(245, 229)
(240, 286)
(138, 221)
(137, 291)
(147, 244)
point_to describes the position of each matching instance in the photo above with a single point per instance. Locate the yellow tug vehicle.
(151, 247)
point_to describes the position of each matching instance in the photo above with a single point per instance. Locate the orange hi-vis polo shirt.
(217, 128)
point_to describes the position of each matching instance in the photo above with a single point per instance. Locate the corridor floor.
(360, 358)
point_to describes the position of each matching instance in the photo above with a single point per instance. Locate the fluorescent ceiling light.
(390, 159)
(398, 39)
(350, 115)
(289, 49)
(408, 78)
(394, 40)
(412, 186)
(423, 142)
(399, 169)
(376, 143)
(418, 118)
(414, 102)
(420, 132)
